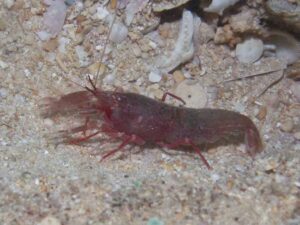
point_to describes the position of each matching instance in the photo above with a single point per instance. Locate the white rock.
(215, 177)
(9, 3)
(3, 65)
(48, 122)
(101, 13)
(250, 50)
(154, 76)
(218, 6)
(192, 93)
(3, 92)
(118, 33)
(109, 79)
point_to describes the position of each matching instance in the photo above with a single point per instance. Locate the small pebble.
(297, 135)
(50, 45)
(49, 220)
(295, 88)
(44, 35)
(82, 56)
(287, 125)
(215, 177)
(250, 50)
(178, 76)
(136, 50)
(101, 13)
(70, 2)
(109, 79)
(3, 65)
(3, 92)
(48, 122)
(93, 68)
(155, 221)
(9, 3)
(154, 76)
(262, 113)
(2, 25)
(271, 166)
(119, 33)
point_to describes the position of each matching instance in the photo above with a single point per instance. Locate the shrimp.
(137, 119)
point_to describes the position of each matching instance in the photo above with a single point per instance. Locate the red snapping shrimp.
(143, 120)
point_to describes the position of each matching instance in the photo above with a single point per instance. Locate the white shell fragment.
(118, 33)
(192, 93)
(184, 48)
(3, 65)
(154, 76)
(218, 6)
(9, 3)
(101, 13)
(250, 50)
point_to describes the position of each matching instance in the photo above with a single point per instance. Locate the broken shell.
(218, 6)
(184, 48)
(286, 47)
(284, 12)
(250, 50)
(192, 93)
(162, 5)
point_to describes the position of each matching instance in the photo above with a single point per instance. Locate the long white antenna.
(104, 49)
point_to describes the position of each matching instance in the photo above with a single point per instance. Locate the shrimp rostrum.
(137, 119)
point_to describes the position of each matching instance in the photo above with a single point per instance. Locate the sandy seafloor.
(44, 183)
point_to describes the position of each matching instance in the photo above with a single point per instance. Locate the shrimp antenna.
(72, 81)
(104, 48)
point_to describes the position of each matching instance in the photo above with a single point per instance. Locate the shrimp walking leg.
(82, 139)
(187, 141)
(197, 150)
(120, 147)
(163, 99)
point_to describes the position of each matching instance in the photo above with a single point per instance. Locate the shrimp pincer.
(137, 119)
